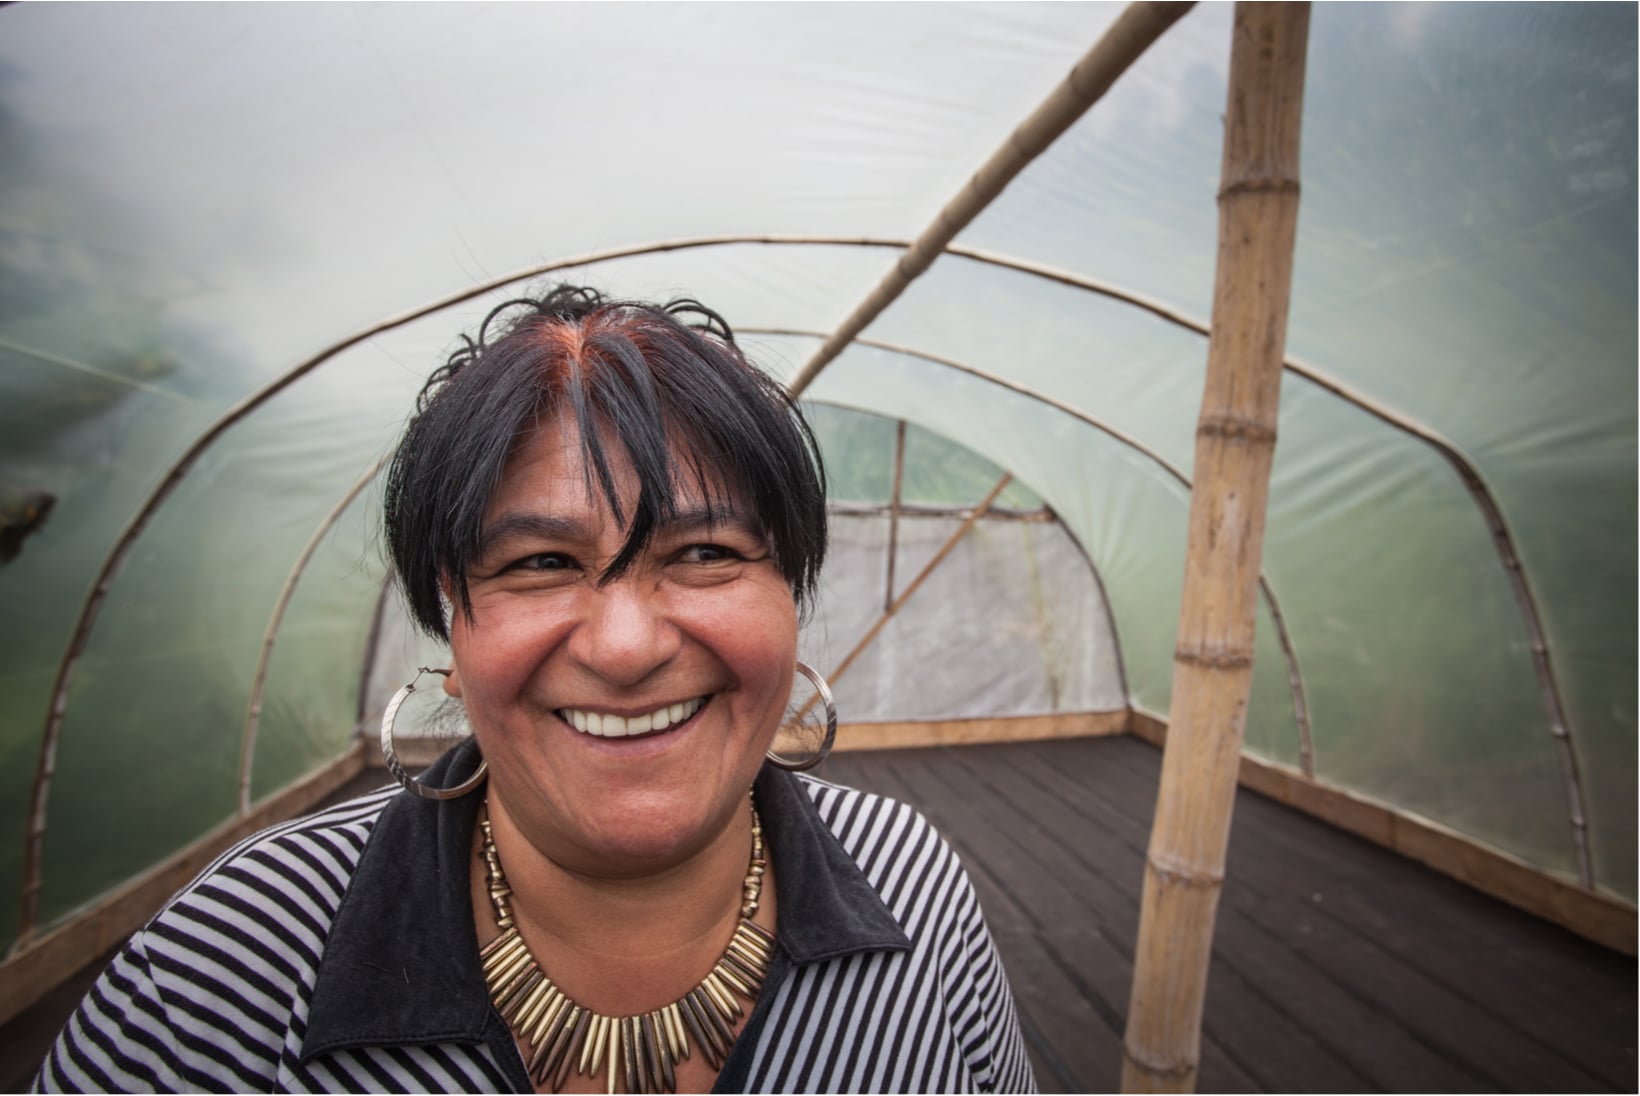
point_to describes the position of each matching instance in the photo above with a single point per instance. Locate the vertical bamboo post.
(1235, 443)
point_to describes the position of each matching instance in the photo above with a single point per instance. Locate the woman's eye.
(707, 553)
(544, 561)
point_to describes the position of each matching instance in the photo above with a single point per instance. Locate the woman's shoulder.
(889, 841)
(937, 987)
(840, 805)
(293, 870)
(203, 997)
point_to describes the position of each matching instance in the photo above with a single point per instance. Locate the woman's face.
(690, 653)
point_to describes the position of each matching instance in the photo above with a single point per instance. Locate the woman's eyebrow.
(539, 526)
(701, 516)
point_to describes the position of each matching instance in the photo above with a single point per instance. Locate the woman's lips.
(606, 725)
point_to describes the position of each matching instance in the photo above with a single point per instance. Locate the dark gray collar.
(401, 963)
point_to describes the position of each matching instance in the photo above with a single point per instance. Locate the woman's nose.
(625, 636)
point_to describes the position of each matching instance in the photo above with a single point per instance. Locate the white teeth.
(614, 726)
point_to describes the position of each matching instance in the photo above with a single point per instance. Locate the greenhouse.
(236, 239)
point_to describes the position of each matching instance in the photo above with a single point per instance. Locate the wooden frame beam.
(917, 734)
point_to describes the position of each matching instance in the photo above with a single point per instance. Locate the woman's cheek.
(505, 647)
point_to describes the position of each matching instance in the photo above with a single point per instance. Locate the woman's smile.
(608, 724)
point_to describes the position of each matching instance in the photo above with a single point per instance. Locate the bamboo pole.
(1235, 445)
(894, 514)
(1042, 515)
(1133, 32)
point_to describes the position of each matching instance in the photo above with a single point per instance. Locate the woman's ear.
(452, 683)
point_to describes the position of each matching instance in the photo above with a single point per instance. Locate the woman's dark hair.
(632, 372)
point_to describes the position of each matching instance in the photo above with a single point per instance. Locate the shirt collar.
(826, 906)
(389, 974)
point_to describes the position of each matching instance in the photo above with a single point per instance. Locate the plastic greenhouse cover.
(175, 235)
(1465, 254)
(1010, 623)
(1442, 743)
(1436, 590)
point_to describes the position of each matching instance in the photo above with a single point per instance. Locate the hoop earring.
(824, 690)
(411, 784)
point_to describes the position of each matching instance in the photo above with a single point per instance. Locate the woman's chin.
(649, 836)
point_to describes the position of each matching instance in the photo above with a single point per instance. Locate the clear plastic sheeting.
(1371, 615)
(1120, 505)
(411, 156)
(182, 629)
(1009, 623)
(184, 221)
(309, 704)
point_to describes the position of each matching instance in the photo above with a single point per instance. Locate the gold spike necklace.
(638, 1054)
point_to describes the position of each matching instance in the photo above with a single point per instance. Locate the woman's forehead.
(551, 469)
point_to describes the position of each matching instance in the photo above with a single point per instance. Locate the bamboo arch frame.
(1503, 539)
(1294, 674)
(253, 712)
(1480, 492)
(46, 764)
(372, 640)
(1295, 679)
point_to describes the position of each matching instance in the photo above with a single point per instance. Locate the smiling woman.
(616, 522)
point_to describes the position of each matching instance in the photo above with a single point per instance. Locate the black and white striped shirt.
(338, 953)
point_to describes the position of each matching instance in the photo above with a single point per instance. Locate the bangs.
(684, 406)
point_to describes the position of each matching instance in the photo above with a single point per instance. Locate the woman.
(615, 522)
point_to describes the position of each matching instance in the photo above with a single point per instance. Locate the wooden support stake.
(1235, 445)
